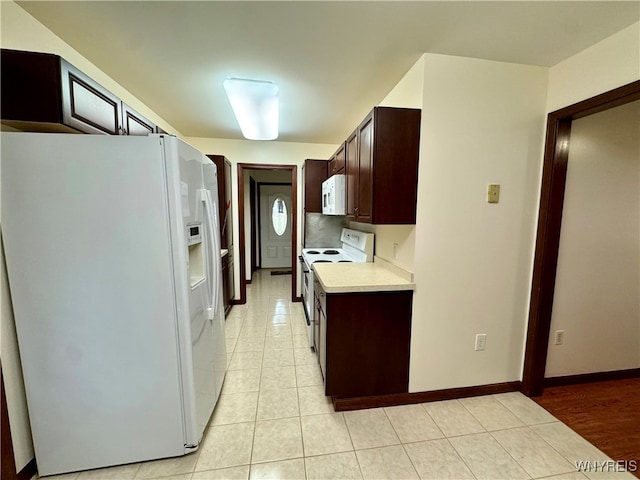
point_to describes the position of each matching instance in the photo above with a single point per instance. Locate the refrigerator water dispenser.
(196, 258)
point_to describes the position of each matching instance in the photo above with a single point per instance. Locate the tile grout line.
(355, 453)
(495, 439)
(424, 408)
(384, 410)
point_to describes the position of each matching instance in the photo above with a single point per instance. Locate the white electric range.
(356, 247)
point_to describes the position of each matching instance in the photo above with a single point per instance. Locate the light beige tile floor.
(273, 420)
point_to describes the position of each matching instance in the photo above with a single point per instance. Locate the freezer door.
(218, 322)
(199, 342)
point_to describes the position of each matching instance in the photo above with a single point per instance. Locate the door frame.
(254, 222)
(259, 226)
(294, 224)
(554, 175)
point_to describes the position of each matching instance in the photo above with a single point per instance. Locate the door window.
(279, 216)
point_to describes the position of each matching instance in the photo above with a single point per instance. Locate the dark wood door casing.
(554, 173)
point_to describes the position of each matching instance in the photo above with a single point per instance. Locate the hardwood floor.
(607, 414)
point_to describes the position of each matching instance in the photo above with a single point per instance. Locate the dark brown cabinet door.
(134, 123)
(351, 171)
(366, 338)
(86, 105)
(332, 166)
(316, 325)
(339, 160)
(314, 172)
(365, 171)
(396, 147)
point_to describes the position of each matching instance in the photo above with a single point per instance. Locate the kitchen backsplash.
(323, 230)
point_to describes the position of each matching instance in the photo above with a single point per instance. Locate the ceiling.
(333, 60)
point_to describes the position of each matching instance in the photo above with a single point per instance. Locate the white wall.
(276, 153)
(482, 122)
(597, 290)
(611, 63)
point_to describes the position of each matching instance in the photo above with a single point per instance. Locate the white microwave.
(333, 195)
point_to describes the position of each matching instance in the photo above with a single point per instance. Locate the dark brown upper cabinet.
(382, 167)
(336, 162)
(134, 123)
(314, 172)
(43, 92)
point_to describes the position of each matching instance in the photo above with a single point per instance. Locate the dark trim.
(8, 469)
(258, 226)
(254, 236)
(8, 459)
(591, 377)
(249, 281)
(236, 301)
(549, 223)
(297, 299)
(29, 470)
(294, 223)
(356, 403)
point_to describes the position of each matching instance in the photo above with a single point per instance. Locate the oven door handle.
(303, 264)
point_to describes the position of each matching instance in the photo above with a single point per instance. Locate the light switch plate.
(493, 193)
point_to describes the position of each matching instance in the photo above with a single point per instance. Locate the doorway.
(283, 205)
(549, 226)
(274, 226)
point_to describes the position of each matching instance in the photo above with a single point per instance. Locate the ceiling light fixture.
(255, 105)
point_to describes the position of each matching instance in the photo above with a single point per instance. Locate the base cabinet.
(364, 342)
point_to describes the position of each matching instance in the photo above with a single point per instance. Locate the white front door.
(275, 226)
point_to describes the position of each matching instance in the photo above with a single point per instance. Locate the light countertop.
(359, 277)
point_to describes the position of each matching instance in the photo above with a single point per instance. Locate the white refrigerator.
(113, 257)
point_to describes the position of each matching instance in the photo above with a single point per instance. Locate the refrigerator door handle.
(205, 196)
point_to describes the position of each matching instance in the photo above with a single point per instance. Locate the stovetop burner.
(330, 252)
(345, 261)
(322, 261)
(313, 252)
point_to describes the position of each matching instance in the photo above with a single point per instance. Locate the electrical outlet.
(559, 337)
(481, 341)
